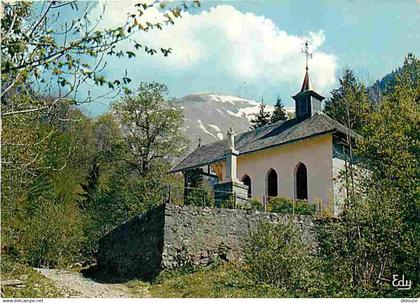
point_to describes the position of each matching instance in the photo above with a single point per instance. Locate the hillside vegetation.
(22, 281)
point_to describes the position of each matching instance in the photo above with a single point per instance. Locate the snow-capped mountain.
(208, 116)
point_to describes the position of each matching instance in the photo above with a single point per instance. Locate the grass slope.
(35, 284)
(224, 281)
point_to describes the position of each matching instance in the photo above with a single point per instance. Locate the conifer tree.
(349, 103)
(279, 113)
(262, 118)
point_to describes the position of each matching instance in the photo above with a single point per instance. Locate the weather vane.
(305, 50)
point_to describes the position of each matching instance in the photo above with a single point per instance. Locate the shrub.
(228, 203)
(303, 207)
(324, 210)
(53, 235)
(255, 204)
(280, 205)
(195, 196)
(249, 204)
(276, 255)
(285, 206)
(200, 196)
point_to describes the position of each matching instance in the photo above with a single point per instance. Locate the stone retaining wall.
(171, 236)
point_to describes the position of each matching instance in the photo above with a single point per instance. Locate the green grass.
(35, 284)
(224, 281)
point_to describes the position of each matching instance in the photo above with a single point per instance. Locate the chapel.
(302, 158)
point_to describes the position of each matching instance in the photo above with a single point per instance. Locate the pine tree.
(349, 103)
(279, 113)
(262, 118)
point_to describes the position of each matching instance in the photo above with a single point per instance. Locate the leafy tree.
(53, 232)
(262, 118)
(279, 113)
(108, 145)
(76, 179)
(391, 153)
(151, 125)
(42, 47)
(377, 236)
(51, 48)
(136, 143)
(276, 255)
(41, 190)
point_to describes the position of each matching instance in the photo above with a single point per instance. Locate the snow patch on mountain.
(229, 99)
(237, 114)
(201, 125)
(215, 127)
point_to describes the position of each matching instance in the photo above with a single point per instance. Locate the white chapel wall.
(315, 153)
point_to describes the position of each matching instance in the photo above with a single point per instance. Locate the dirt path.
(75, 285)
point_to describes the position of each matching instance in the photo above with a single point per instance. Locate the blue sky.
(252, 48)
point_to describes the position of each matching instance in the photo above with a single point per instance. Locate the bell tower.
(307, 101)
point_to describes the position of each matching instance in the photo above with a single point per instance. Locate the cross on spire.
(305, 50)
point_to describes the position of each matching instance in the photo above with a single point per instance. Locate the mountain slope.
(377, 89)
(208, 116)
(380, 87)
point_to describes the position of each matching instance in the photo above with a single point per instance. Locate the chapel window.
(272, 183)
(247, 181)
(301, 182)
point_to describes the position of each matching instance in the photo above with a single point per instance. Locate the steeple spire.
(307, 101)
(306, 83)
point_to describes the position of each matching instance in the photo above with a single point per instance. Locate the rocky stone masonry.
(171, 236)
(224, 191)
(134, 249)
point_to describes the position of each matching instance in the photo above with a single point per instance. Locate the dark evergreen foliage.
(279, 113)
(262, 118)
(349, 103)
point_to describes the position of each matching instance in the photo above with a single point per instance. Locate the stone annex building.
(302, 158)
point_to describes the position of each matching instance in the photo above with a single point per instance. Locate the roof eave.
(309, 92)
(174, 170)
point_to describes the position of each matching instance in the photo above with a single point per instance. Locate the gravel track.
(75, 285)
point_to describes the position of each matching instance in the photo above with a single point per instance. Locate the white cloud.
(241, 45)
(117, 11)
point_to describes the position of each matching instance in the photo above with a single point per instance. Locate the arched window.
(301, 182)
(247, 181)
(271, 183)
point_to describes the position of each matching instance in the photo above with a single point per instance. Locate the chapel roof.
(271, 135)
